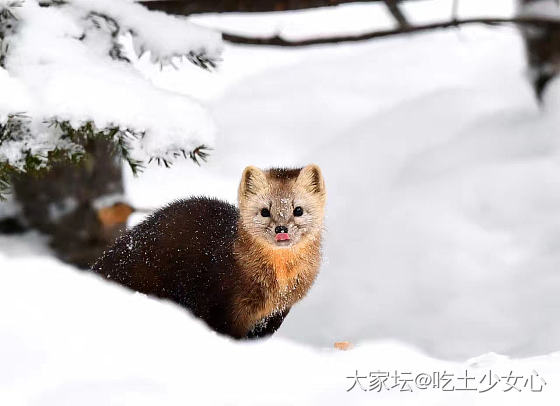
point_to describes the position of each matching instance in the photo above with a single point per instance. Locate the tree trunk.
(65, 204)
(542, 45)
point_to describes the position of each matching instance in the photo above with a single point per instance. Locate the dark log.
(542, 46)
(186, 7)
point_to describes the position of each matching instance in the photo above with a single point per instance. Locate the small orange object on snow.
(343, 345)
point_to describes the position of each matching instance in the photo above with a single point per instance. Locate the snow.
(94, 343)
(18, 102)
(179, 36)
(58, 61)
(9, 208)
(540, 8)
(441, 241)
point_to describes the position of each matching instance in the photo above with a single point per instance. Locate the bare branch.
(395, 10)
(548, 23)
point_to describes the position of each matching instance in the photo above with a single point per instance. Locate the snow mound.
(71, 338)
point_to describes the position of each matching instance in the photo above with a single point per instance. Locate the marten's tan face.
(282, 207)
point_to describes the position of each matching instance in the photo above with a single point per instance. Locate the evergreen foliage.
(19, 133)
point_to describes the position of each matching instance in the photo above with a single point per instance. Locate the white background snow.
(442, 240)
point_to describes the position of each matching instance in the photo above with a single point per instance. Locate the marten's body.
(228, 266)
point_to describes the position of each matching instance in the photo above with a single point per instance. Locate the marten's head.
(282, 207)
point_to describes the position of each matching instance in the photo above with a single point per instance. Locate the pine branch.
(122, 139)
(7, 13)
(276, 40)
(33, 145)
(115, 30)
(202, 60)
(14, 127)
(5, 176)
(8, 24)
(196, 155)
(104, 22)
(199, 153)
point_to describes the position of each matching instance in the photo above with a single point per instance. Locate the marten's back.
(183, 252)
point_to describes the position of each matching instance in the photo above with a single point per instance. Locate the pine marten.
(240, 270)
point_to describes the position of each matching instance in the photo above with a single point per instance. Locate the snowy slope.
(93, 343)
(441, 241)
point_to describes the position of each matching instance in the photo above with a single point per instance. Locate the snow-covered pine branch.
(64, 78)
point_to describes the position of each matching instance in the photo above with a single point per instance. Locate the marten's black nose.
(281, 229)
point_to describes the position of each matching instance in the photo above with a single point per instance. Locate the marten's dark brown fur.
(224, 264)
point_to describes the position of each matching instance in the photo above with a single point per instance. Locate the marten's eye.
(265, 212)
(298, 211)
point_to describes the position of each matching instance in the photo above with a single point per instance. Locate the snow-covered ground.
(70, 338)
(442, 239)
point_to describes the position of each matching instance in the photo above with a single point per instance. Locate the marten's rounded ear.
(311, 179)
(253, 181)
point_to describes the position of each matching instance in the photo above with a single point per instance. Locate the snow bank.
(69, 338)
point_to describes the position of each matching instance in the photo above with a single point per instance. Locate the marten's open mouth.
(280, 237)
